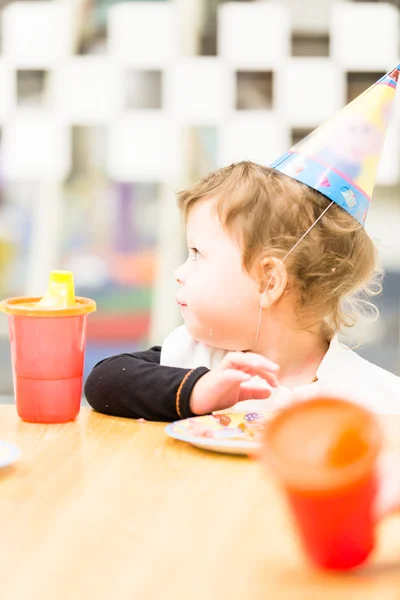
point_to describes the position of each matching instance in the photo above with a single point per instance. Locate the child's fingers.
(270, 378)
(230, 377)
(256, 389)
(249, 359)
(249, 391)
(253, 364)
(263, 376)
(254, 386)
(250, 388)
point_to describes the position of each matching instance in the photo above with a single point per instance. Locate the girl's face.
(219, 300)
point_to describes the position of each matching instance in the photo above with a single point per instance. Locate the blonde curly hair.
(332, 271)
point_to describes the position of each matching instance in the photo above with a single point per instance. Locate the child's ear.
(273, 280)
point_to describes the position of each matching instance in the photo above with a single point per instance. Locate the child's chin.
(198, 334)
(194, 332)
(208, 337)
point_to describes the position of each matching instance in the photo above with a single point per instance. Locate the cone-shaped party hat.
(340, 158)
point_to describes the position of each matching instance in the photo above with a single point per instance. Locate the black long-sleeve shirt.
(137, 386)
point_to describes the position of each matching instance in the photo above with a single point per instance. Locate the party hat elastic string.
(281, 263)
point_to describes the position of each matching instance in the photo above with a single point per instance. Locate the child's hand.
(232, 382)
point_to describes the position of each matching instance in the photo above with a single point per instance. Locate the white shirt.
(342, 373)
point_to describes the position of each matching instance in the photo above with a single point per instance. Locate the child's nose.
(179, 274)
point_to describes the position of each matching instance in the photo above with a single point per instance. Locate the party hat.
(341, 157)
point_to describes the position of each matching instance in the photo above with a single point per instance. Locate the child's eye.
(193, 253)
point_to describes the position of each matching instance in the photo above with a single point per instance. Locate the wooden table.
(107, 508)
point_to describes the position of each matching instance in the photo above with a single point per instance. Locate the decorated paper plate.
(9, 453)
(231, 433)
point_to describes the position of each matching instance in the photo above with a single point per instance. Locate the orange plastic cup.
(48, 338)
(324, 452)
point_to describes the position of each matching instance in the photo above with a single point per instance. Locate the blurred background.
(107, 107)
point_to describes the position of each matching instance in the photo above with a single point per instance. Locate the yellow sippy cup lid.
(60, 291)
(58, 301)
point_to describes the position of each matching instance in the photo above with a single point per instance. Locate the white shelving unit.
(147, 144)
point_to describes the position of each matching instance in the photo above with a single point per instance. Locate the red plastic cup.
(47, 351)
(324, 452)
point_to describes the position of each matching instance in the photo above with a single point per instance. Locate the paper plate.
(9, 453)
(229, 433)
